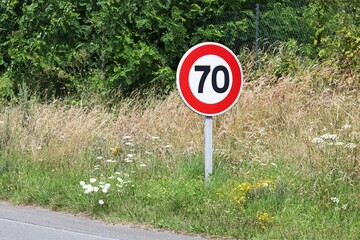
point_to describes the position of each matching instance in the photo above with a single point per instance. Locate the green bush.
(337, 34)
(63, 47)
(81, 48)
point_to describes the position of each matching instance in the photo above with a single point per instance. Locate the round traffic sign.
(209, 78)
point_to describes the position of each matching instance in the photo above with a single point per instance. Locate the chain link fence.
(265, 25)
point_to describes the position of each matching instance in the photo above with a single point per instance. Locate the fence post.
(257, 35)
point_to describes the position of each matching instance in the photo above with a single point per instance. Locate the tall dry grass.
(275, 117)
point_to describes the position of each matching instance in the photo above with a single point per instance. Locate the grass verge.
(286, 160)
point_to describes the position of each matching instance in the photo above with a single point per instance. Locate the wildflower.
(105, 187)
(265, 184)
(245, 187)
(116, 150)
(241, 192)
(345, 127)
(339, 143)
(82, 183)
(110, 161)
(168, 146)
(317, 140)
(92, 180)
(95, 189)
(128, 160)
(87, 191)
(120, 180)
(117, 173)
(155, 138)
(142, 165)
(264, 219)
(88, 188)
(262, 132)
(130, 155)
(99, 158)
(350, 145)
(328, 136)
(334, 199)
(101, 202)
(344, 207)
(126, 137)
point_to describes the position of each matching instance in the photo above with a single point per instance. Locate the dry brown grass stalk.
(274, 117)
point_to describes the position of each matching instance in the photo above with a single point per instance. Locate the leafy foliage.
(78, 48)
(63, 47)
(337, 27)
(282, 20)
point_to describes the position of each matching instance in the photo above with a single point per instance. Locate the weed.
(286, 159)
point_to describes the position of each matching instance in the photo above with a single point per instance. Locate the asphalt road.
(30, 223)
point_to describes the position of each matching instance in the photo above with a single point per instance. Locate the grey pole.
(257, 35)
(208, 148)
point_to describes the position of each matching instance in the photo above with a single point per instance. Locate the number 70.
(206, 69)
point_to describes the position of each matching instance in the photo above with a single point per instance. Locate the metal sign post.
(208, 148)
(209, 80)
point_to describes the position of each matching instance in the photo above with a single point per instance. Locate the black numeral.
(206, 69)
(226, 79)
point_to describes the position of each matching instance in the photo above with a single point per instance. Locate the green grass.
(295, 205)
(286, 159)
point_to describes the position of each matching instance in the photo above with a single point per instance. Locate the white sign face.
(209, 78)
(197, 72)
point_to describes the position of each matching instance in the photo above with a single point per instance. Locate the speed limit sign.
(209, 78)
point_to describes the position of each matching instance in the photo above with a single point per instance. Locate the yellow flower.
(245, 191)
(245, 187)
(265, 184)
(116, 150)
(264, 219)
(241, 192)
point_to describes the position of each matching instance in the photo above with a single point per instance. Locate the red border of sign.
(183, 82)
